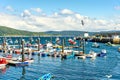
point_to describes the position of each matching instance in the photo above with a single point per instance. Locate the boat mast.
(22, 50)
(38, 44)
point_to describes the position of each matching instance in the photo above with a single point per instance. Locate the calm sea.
(70, 69)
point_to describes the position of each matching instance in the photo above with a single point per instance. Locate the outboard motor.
(103, 53)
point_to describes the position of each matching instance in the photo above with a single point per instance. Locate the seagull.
(109, 76)
(82, 22)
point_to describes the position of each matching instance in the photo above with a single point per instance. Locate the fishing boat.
(110, 44)
(91, 54)
(17, 63)
(68, 55)
(9, 56)
(102, 53)
(57, 46)
(72, 42)
(47, 76)
(3, 62)
(81, 57)
(95, 45)
(57, 40)
(43, 54)
(119, 49)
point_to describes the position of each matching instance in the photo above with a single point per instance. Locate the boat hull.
(46, 77)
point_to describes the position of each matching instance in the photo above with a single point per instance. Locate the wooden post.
(63, 46)
(83, 46)
(79, 42)
(4, 45)
(51, 39)
(119, 40)
(65, 42)
(22, 50)
(31, 40)
(38, 44)
(23, 71)
(19, 43)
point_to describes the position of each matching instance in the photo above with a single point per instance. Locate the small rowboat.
(18, 63)
(95, 45)
(46, 77)
(68, 56)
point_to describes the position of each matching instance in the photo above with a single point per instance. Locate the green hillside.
(5, 31)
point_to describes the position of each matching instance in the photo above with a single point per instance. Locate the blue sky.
(32, 13)
(94, 8)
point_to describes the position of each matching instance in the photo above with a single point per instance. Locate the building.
(86, 34)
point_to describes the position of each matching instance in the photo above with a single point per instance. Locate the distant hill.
(69, 33)
(81, 33)
(5, 31)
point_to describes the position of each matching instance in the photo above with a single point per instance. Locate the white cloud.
(55, 14)
(78, 16)
(37, 10)
(117, 7)
(57, 22)
(9, 8)
(15, 22)
(66, 11)
(26, 13)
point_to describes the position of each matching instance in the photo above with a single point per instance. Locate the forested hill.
(6, 31)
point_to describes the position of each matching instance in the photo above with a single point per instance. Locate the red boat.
(3, 62)
(72, 42)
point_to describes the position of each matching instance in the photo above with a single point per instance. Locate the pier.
(105, 40)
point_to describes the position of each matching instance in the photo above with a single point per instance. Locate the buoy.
(109, 76)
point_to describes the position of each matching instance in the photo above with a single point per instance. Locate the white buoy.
(108, 76)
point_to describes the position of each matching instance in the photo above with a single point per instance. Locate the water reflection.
(23, 73)
(38, 58)
(3, 69)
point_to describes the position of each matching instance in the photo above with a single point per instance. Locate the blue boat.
(72, 55)
(44, 54)
(22, 64)
(68, 56)
(18, 63)
(46, 77)
(102, 54)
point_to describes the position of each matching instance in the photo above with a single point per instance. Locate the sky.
(59, 15)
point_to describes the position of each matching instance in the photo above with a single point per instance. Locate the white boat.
(119, 49)
(18, 63)
(95, 45)
(110, 44)
(57, 40)
(91, 54)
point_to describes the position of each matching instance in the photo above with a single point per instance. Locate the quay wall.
(105, 40)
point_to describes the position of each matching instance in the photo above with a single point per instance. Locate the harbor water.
(69, 69)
